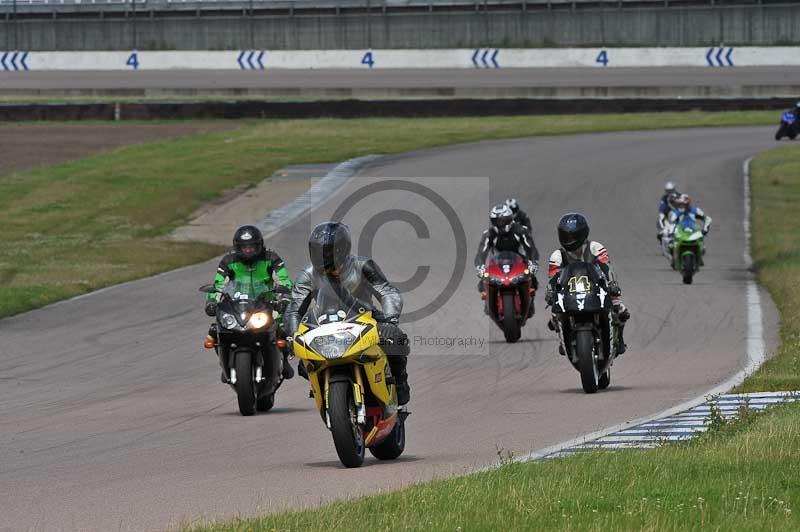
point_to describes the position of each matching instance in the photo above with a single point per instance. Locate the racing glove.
(533, 267)
(481, 270)
(614, 290)
(211, 308)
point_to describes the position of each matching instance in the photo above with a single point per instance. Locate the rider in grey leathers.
(334, 273)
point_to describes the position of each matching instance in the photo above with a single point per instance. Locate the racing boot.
(621, 346)
(398, 366)
(623, 315)
(301, 370)
(288, 372)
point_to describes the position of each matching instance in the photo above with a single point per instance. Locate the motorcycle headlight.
(333, 345)
(260, 319)
(228, 320)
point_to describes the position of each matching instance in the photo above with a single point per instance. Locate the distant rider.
(520, 216)
(333, 268)
(795, 111)
(249, 259)
(506, 235)
(573, 234)
(666, 205)
(684, 207)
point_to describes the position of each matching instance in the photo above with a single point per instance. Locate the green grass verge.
(85, 224)
(742, 475)
(776, 251)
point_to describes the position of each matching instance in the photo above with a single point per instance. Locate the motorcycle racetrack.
(112, 415)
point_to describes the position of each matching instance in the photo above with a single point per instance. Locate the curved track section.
(113, 417)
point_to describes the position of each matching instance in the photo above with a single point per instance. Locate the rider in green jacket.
(248, 258)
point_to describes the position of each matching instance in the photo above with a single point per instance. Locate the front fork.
(358, 396)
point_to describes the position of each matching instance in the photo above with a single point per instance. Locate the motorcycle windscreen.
(582, 288)
(505, 258)
(333, 303)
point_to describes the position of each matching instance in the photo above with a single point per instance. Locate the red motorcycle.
(508, 289)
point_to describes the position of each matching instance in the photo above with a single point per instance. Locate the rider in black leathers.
(520, 216)
(505, 234)
(334, 272)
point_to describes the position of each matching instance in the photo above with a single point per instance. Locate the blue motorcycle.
(789, 126)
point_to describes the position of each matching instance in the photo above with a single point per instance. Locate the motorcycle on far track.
(789, 126)
(508, 289)
(249, 343)
(687, 248)
(585, 326)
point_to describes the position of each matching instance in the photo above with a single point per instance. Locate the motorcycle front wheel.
(245, 387)
(511, 328)
(687, 268)
(587, 365)
(348, 436)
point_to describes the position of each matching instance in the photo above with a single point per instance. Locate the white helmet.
(513, 204)
(669, 187)
(501, 217)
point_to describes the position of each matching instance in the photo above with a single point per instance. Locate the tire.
(605, 380)
(265, 403)
(792, 136)
(394, 444)
(586, 363)
(779, 134)
(347, 437)
(687, 268)
(511, 328)
(245, 387)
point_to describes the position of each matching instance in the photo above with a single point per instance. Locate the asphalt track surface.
(403, 78)
(112, 416)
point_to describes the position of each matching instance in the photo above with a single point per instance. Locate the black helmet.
(501, 217)
(329, 246)
(573, 230)
(513, 204)
(248, 243)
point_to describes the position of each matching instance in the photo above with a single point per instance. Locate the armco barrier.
(361, 108)
(480, 58)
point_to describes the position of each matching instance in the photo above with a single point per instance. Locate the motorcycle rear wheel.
(511, 328)
(245, 387)
(266, 402)
(587, 365)
(394, 444)
(348, 436)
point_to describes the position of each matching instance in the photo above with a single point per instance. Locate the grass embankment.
(740, 476)
(776, 250)
(82, 225)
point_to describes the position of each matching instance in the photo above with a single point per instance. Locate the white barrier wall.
(725, 57)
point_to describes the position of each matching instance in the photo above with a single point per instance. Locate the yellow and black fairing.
(359, 360)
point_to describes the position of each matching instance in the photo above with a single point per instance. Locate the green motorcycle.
(687, 248)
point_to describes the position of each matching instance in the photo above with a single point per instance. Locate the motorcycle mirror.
(208, 289)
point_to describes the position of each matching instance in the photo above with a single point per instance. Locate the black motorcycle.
(249, 343)
(588, 333)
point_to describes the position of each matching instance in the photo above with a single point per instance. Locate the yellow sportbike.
(351, 383)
